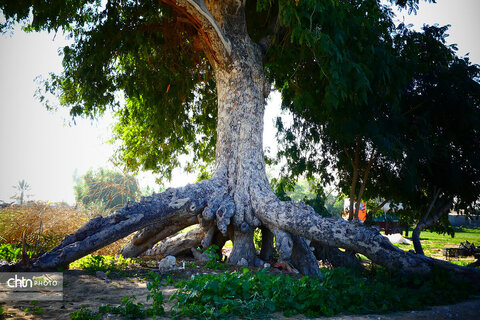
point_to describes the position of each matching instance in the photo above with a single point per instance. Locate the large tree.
(181, 64)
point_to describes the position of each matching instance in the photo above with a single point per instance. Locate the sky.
(42, 147)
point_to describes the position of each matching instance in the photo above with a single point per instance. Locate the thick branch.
(178, 244)
(148, 237)
(196, 12)
(302, 220)
(99, 232)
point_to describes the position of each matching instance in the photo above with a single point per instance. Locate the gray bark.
(302, 257)
(177, 244)
(148, 237)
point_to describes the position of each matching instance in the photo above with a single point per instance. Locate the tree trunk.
(238, 198)
(355, 165)
(439, 211)
(363, 184)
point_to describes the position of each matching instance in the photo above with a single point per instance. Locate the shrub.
(251, 295)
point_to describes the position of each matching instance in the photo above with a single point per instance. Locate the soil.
(83, 288)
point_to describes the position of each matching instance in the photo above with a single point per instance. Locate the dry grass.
(41, 226)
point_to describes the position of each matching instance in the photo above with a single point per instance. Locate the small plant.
(128, 308)
(84, 314)
(35, 309)
(213, 258)
(156, 295)
(2, 315)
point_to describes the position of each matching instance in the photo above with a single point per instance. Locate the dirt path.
(84, 289)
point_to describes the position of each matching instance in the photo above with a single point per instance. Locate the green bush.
(12, 252)
(251, 295)
(93, 263)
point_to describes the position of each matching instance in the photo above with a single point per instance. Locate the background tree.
(168, 57)
(22, 188)
(417, 146)
(440, 166)
(108, 189)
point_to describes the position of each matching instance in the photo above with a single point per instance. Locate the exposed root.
(283, 243)
(145, 239)
(288, 223)
(302, 257)
(178, 244)
(267, 250)
(243, 252)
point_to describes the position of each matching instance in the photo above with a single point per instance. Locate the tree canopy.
(401, 144)
(315, 52)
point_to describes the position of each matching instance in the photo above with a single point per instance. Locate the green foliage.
(2, 315)
(84, 314)
(93, 263)
(257, 238)
(109, 189)
(254, 295)
(34, 309)
(156, 295)
(406, 128)
(127, 308)
(12, 252)
(213, 258)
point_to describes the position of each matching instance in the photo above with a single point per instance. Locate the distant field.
(433, 243)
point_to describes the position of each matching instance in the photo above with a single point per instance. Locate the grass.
(433, 243)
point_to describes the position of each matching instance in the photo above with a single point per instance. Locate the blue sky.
(40, 146)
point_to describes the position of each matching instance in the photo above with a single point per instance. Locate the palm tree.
(22, 187)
